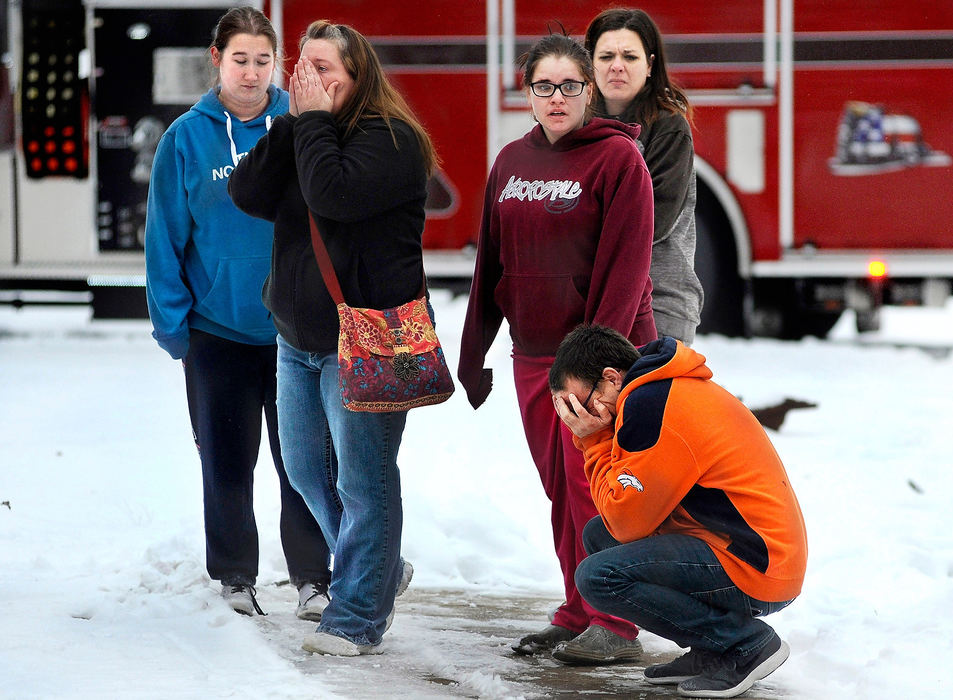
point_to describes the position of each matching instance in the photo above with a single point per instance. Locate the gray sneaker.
(241, 598)
(681, 669)
(596, 646)
(312, 600)
(406, 574)
(732, 674)
(332, 645)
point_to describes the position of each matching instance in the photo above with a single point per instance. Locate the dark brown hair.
(373, 95)
(660, 92)
(586, 351)
(243, 20)
(558, 45)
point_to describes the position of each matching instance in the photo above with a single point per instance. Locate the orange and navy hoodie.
(686, 457)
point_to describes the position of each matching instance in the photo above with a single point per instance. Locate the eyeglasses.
(569, 88)
(585, 404)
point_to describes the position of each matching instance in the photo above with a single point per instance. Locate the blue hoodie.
(206, 261)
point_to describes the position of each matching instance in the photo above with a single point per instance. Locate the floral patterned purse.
(388, 359)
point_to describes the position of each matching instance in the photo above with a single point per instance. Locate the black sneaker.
(681, 669)
(597, 646)
(732, 674)
(543, 640)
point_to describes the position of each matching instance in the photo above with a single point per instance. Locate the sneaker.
(405, 576)
(681, 669)
(324, 643)
(543, 640)
(731, 674)
(312, 600)
(241, 598)
(596, 646)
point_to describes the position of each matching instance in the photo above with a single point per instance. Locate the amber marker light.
(877, 268)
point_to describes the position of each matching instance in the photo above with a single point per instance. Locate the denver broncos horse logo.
(627, 479)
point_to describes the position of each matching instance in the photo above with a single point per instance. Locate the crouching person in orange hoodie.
(699, 533)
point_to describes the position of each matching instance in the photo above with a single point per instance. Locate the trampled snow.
(103, 589)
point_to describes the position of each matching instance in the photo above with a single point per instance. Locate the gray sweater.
(677, 294)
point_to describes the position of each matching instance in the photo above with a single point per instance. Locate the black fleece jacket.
(367, 193)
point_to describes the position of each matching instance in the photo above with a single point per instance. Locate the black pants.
(229, 384)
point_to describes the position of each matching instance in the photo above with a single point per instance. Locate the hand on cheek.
(310, 92)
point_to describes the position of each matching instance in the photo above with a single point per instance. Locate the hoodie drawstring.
(231, 140)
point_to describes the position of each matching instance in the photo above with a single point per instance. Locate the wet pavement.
(456, 644)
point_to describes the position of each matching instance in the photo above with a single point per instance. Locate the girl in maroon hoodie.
(566, 238)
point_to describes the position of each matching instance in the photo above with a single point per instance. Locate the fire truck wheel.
(868, 321)
(717, 269)
(779, 311)
(816, 323)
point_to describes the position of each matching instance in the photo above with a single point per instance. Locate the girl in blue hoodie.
(205, 265)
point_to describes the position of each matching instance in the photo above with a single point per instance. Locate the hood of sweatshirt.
(210, 106)
(595, 129)
(665, 358)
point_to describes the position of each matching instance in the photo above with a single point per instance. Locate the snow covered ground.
(103, 590)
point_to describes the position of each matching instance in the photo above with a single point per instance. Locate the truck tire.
(716, 265)
(781, 311)
(797, 325)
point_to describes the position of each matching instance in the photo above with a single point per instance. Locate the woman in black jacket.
(351, 152)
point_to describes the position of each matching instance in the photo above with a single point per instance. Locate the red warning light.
(877, 268)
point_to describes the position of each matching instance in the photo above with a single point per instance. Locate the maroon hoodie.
(566, 238)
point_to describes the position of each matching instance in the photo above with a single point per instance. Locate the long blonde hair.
(373, 95)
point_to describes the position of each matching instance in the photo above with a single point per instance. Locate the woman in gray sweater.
(633, 86)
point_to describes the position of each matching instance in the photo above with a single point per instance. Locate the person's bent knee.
(596, 537)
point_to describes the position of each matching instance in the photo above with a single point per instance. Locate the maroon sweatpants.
(560, 466)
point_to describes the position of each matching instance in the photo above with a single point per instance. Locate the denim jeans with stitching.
(675, 587)
(344, 464)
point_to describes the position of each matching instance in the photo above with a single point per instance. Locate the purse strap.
(324, 262)
(327, 269)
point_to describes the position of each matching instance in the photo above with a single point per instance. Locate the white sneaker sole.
(324, 643)
(309, 614)
(666, 680)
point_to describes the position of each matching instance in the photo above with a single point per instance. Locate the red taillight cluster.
(53, 95)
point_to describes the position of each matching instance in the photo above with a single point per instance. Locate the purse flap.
(386, 332)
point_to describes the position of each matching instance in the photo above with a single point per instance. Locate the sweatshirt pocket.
(540, 309)
(234, 299)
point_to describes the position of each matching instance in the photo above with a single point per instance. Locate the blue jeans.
(344, 464)
(673, 586)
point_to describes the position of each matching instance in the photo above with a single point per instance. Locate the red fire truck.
(823, 132)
